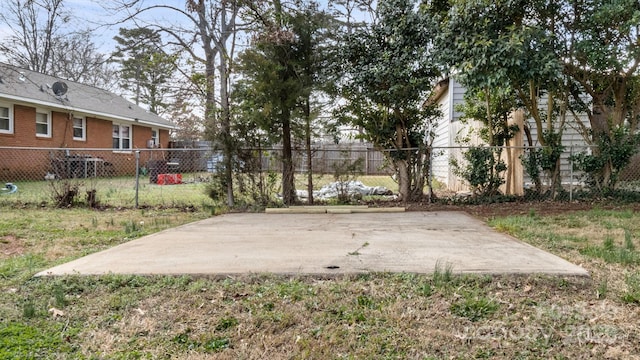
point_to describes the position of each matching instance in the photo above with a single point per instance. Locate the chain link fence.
(536, 173)
(184, 177)
(168, 177)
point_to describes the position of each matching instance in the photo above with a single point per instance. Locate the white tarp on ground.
(351, 188)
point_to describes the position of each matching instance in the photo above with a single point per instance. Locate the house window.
(121, 137)
(155, 137)
(6, 120)
(79, 128)
(43, 123)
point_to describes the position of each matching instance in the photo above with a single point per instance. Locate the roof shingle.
(26, 86)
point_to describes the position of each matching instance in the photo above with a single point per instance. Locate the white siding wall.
(440, 165)
(572, 139)
(571, 134)
(449, 127)
(446, 134)
(458, 98)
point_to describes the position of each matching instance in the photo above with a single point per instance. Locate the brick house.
(43, 112)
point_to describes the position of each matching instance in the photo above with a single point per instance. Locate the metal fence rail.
(180, 177)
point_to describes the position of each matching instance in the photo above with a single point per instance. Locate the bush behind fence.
(181, 177)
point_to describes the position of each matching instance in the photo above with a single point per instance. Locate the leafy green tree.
(274, 83)
(482, 170)
(145, 68)
(493, 45)
(511, 44)
(603, 60)
(387, 71)
(253, 140)
(312, 28)
(568, 54)
(280, 73)
(614, 153)
(496, 130)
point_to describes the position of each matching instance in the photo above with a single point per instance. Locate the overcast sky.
(98, 15)
(105, 22)
(95, 15)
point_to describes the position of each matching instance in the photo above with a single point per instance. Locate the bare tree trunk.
(402, 166)
(309, 151)
(288, 184)
(225, 120)
(419, 166)
(225, 129)
(600, 127)
(599, 118)
(215, 22)
(429, 163)
(403, 179)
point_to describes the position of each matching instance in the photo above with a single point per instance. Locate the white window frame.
(10, 118)
(156, 138)
(120, 137)
(47, 114)
(83, 125)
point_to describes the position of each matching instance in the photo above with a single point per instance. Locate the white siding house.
(447, 131)
(448, 94)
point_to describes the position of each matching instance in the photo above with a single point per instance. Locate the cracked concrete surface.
(324, 244)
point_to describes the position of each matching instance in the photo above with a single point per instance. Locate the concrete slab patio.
(323, 244)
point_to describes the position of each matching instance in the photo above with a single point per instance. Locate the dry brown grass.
(372, 316)
(280, 318)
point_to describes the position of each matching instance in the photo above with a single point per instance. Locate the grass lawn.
(116, 191)
(260, 316)
(121, 191)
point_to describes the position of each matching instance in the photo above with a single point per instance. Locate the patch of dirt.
(10, 246)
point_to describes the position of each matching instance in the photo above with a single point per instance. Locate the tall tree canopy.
(145, 68)
(494, 46)
(387, 71)
(603, 60)
(280, 72)
(34, 27)
(559, 57)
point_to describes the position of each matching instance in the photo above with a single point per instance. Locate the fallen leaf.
(56, 312)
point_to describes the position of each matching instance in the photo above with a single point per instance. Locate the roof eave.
(438, 91)
(101, 115)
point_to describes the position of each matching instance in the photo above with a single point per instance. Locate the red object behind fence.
(169, 179)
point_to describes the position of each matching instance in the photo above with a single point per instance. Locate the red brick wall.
(24, 132)
(103, 129)
(98, 132)
(164, 138)
(98, 136)
(140, 136)
(61, 130)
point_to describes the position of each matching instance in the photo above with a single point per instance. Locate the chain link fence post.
(137, 175)
(430, 174)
